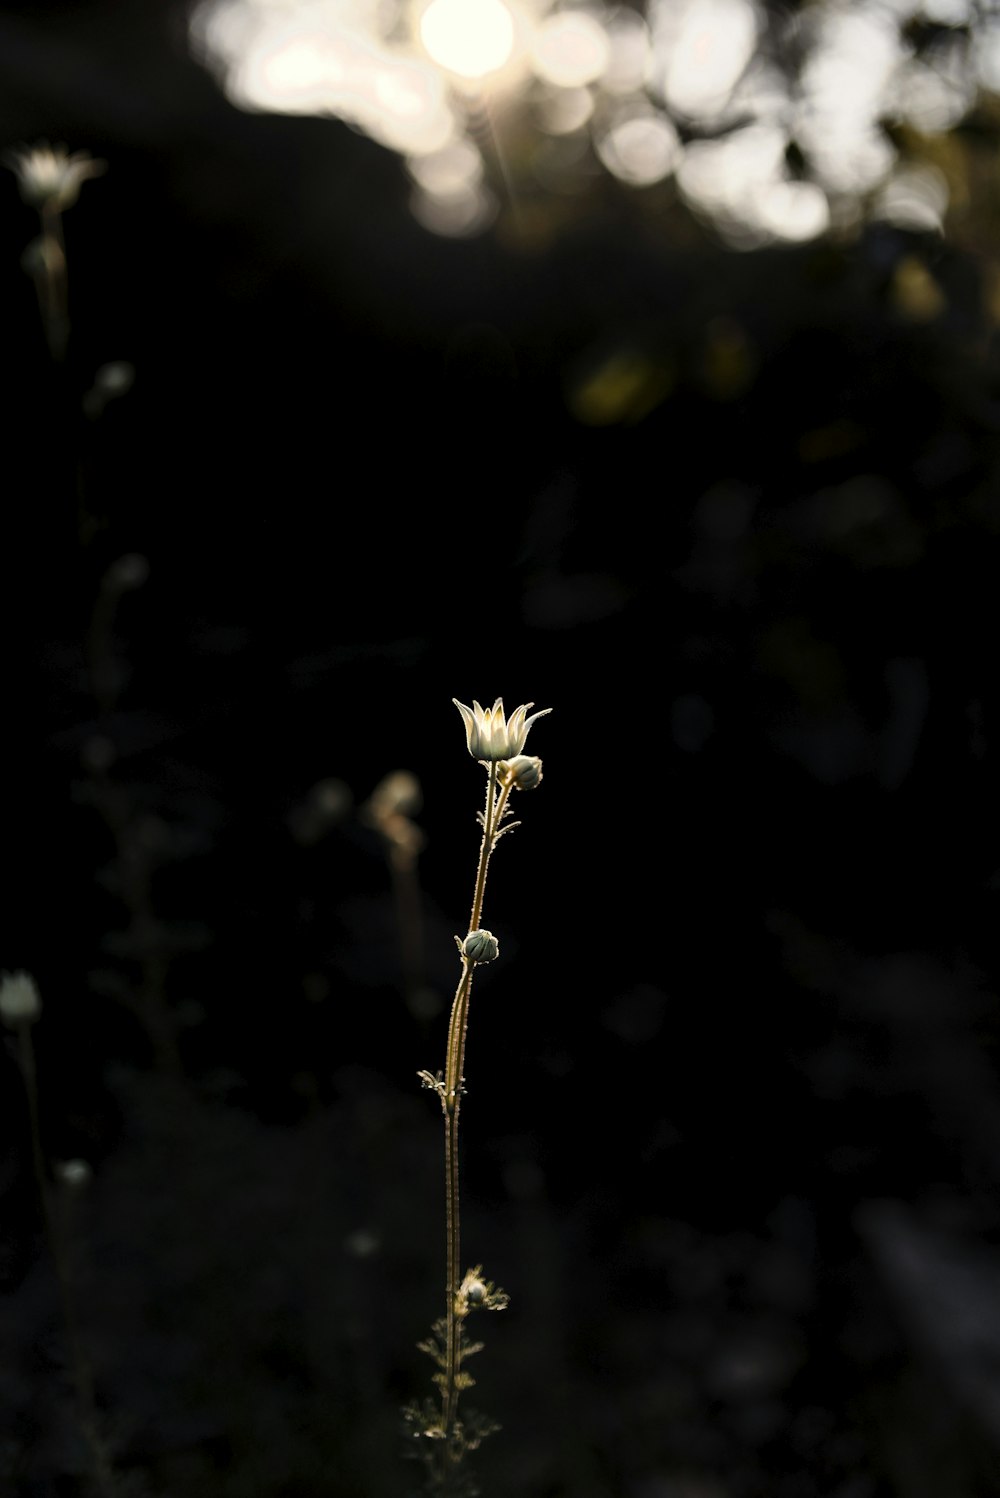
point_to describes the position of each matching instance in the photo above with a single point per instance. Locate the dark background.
(732, 1138)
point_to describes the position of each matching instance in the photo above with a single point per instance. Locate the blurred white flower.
(48, 177)
(20, 1002)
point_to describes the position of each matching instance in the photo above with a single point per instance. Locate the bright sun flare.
(469, 37)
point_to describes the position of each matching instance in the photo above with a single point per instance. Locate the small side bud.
(20, 1002)
(524, 772)
(480, 946)
(476, 1293)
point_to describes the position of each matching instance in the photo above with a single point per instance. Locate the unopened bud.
(524, 772)
(475, 1293)
(480, 946)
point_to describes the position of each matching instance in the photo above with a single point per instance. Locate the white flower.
(19, 998)
(48, 177)
(489, 735)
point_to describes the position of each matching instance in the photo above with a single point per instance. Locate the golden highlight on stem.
(451, 1101)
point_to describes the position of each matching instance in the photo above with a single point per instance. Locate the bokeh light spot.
(455, 215)
(705, 47)
(795, 210)
(561, 111)
(630, 54)
(456, 168)
(471, 38)
(570, 49)
(640, 150)
(915, 198)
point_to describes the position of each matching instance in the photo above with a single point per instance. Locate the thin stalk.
(451, 1103)
(453, 1222)
(51, 283)
(83, 1378)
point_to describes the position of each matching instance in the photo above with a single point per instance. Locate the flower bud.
(475, 1293)
(20, 1003)
(524, 772)
(480, 946)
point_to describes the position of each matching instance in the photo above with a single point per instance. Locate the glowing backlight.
(471, 38)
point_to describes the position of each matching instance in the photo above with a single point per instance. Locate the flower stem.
(79, 1364)
(51, 283)
(451, 1097)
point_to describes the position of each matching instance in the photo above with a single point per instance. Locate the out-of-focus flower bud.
(114, 378)
(481, 946)
(394, 801)
(110, 382)
(75, 1174)
(524, 772)
(398, 795)
(20, 1002)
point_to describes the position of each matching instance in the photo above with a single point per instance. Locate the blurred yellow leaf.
(913, 291)
(624, 388)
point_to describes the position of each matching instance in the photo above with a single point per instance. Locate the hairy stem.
(451, 1102)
